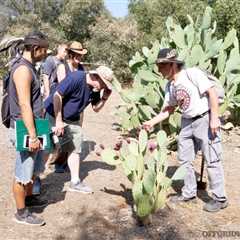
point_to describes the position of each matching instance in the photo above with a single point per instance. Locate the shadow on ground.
(53, 184)
(96, 226)
(177, 185)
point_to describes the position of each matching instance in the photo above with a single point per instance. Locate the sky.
(118, 8)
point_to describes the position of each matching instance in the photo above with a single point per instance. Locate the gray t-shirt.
(189, 94)
(49, 67)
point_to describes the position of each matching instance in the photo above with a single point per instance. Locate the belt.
(199, 116)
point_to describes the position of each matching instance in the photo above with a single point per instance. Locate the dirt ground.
(107, 214)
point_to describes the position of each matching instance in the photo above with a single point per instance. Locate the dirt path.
(106, 214)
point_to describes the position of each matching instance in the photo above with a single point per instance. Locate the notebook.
(42, 130)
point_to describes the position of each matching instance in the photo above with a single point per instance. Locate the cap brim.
(166, 60)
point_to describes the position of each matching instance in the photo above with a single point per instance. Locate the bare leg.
(19, 194)
(74, 166)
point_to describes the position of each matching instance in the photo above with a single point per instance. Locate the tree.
(77, 16)
(151, 15)
(226, 13)
(112, 42)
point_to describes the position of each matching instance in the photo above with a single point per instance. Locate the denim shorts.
(27, 164)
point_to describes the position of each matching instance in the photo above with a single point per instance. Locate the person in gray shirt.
(49, 70)
(196, 96)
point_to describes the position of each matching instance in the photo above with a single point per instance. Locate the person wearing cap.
(72, 96)
(26, 104)
(195, 95)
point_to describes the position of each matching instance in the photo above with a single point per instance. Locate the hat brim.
(82, 52)
(94, 72)
(167, 60)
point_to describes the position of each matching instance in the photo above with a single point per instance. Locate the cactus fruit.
(144, 163)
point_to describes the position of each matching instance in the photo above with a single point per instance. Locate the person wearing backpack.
(26, 103)
(194, 93)
(75, 53)
(49, 69)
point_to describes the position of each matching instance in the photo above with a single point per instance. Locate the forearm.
(97, 107)
(160, 117)
(46, 85)
(28, 119)
(214, 105)
(57, 102)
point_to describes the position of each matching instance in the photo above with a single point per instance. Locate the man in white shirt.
(194, 93)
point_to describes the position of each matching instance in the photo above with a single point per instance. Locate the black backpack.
(5, 107)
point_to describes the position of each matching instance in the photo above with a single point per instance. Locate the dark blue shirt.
(76, 93)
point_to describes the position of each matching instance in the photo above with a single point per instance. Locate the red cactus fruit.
(98, 154)
(102, 146)
(152, 146)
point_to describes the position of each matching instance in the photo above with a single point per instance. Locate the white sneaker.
(80, 187)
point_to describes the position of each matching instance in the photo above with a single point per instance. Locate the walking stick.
(200, 184)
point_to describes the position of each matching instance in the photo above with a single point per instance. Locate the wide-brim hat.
(105, 73)
(168, 55)
(77, 47)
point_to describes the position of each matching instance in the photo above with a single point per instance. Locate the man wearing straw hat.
(75, 53)
(72, 96)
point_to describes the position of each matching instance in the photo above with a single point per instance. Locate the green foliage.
(146, 169)
(112, 42)
(77, 16)
(151, 15)
(197, 45)
(144, 100)
(226, 13)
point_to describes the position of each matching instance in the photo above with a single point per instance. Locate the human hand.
(59, 128)
(148, 125)
(34, 144)
(214, 126)
(106, 93)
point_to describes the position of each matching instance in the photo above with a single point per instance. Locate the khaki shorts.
(72, 139)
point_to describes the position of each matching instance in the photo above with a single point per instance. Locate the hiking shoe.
(214, 205)
(80, 187)
(33, 201)
(181, 199)
(36, 186)
(29, 219)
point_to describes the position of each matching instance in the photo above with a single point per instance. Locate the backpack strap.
(191, 80)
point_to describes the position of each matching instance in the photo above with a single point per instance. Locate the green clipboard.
(43, 132)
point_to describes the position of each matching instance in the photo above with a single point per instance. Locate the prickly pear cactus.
(145, 164)
(197, 46)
